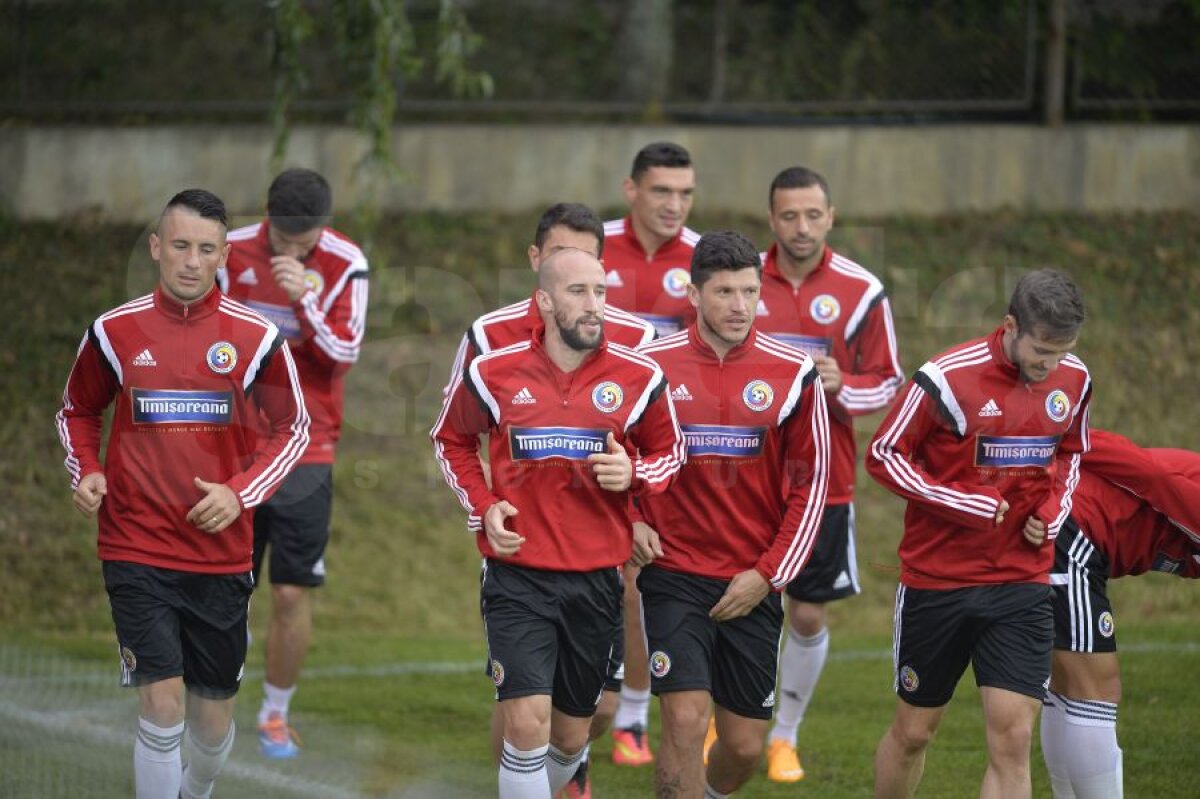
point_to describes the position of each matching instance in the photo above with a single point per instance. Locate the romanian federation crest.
(660, 664)
(675, 282)
(1057, 405)
(758, 395)
(825, 309)
(222, 357)
(607, 396)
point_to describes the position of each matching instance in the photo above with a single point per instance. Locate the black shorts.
(1083, 619)
(1004, 631)
(832, 570)
(616, 661)
(294, 522)
(733, 660)
(171, 623)
(550, 632)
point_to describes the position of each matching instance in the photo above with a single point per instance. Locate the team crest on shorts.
(825, 309)
(1057, 405)
(313, 279)
(909, 680)
(607, 396)
(660, 664)
(1105, 624)
(497, 673)
(222, 357)
(758, 395)
(128, 661)
(675, 282)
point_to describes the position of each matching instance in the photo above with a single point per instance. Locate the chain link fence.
(741, 61)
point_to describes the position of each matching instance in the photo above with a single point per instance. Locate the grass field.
(394, 704)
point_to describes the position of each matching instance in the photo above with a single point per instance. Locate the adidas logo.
(991, 409)
(842, 581)
(523, 397)
(681, 394)
(144, 358)
(614, 279)
(762, 309)
(248, 278)
(770, 700)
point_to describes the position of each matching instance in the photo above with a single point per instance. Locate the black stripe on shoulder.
(94, 340)
(863, 322)
(266, 360)
(655, 393)
(470, 384)
(930, 388)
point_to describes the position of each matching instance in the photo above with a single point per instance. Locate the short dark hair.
(201, 202)
(724, 250)
(659, 153)
(299, 200)
(798, 177)
(1048, 302)
(575, 216)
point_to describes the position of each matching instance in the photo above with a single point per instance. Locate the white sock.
(561, 767)
(1054, 743)
(1092, 755)
(274, 700)
(712, 793)
(634, 709)
(523, 773)
(587, 752)
(204, 764)
(800, 666)
(156, 761)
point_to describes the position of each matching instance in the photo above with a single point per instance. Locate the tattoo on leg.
(667, 785)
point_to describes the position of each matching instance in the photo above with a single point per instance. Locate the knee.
(1012, 738)
(744, 749)
(688, 721)
(288, 598)
(912, 738)
(162, 704)
(806, 618)
(527, 726)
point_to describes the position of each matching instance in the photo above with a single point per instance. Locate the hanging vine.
(376, 52)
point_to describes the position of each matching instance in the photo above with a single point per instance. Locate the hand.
(613, 469)
(646, 546)
(90, 493)
(1000, 511)
(218, 509)
(744, 593)
(831, 375)
(288, 274)
(504, 542)
(1034, 531)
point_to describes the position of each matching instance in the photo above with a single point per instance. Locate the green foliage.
(290, 28)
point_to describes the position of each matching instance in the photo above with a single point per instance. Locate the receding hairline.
(549, 272)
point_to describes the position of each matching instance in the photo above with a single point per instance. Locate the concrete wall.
(125, 174)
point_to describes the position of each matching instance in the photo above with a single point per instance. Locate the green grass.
(403, 572)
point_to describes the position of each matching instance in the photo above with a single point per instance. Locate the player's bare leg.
(289, 632)
(900, 756)
(679, 771)
(210, 733)
(1010, 718)
(631, 744)
(735, 754)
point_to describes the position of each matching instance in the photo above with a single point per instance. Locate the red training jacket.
(966, 433)
(542, 424)
(840, 310)
(1140, 507)
(183, 378)
(324, 328)
(757, 429)
(652, 286)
